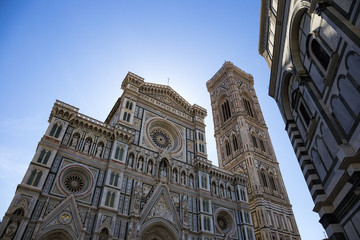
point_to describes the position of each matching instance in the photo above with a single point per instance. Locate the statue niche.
(163, 169)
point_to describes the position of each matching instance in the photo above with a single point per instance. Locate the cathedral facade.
(143, 173)
(313, 51)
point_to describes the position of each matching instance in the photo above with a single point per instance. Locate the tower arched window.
(248, 108)
(116, 180)
(129, 105)
(107, 199)
(225, 109)
(235, 143)
(52, 132)
(262, 146)
(228, 148)
(42, 154)
(254, 141)
(47, 156)
(272, 183)
(119, 152)
(112, 178)
(263, 179)
(112, 200)
(55, 131)
(204, 180)
(34, 178)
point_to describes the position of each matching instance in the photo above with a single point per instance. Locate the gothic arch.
(140, 162)
(191, 182)
(150, 163)
(130, 158)
(183, 176)
(56, 128)
(158, 229)
(164, 168)
(175, 175)
(224, 107)
(75, 138)
(57, 234)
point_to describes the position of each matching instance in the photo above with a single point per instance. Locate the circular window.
(161, 138)
(65, 218)
(224, 221)
(75, 179)
(74, 183)
(163, 135)
(223, 224)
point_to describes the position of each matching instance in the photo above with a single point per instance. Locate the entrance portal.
(157, 232)
(56, 235)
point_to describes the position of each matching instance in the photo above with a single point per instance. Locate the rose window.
(161, 138)
(224, 221)
(76, 179)
(74, 183)
(163, 135)
(223, 224)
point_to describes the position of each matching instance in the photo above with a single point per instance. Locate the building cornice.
(228, 68)
(71, 114)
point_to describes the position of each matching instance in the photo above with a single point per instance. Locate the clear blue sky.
(80, 51)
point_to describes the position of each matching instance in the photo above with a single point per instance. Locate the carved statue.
(183, 179)
(140, 164)
(74, 141)
(149, 170)
(131, 160)
(99, 151)
(107, 152)
(191, 182)
(87, 146)
(163, 171)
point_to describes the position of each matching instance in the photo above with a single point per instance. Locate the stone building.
(143, 173)
(312, 50)
(244, 146)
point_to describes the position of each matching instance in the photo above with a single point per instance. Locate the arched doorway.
(56, 235)
(158, 232)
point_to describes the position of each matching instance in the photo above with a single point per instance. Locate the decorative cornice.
(136, 83)
(71, 114)
(132, 79)
(228, 69)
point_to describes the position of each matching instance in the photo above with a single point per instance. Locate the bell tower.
(243, 145)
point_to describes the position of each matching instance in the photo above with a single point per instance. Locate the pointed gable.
(160, 205)
(65, 216)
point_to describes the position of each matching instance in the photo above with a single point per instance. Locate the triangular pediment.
(168, 96)
(160, 205)
(65, 216)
